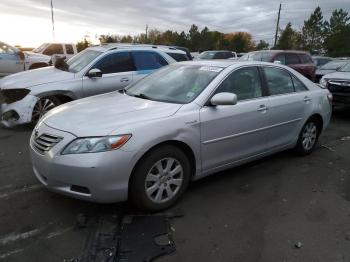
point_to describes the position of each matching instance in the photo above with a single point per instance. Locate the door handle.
(307, 99)
(262, 108)
(124, 79)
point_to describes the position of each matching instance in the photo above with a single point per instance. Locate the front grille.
(45, 142)
(339, 86)
(2, 98)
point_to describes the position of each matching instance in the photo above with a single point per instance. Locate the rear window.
(178, 57)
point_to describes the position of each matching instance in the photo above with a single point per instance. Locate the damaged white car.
(25, 97)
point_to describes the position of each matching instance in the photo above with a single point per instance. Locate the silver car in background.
(29, 95)
(182, 123)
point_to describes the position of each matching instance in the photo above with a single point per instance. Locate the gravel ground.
(257, 212)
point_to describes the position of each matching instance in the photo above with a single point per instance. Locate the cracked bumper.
(19, 112)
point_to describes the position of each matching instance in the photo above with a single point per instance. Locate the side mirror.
(21, 55)
(224, 99)
(95, 72)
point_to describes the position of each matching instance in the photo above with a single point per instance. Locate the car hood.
(324, 71)
(339, 75)
(37, 55)
(100, 115)
(32, 78)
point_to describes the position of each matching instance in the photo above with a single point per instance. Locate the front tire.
(160, 178)
(42, 106)
(308, 137)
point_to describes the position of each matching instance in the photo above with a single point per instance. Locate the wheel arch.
(184, 147)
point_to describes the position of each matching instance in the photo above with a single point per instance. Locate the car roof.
(224, 63)
(283, 51)
(122, 46)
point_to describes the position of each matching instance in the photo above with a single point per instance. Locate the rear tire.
(308, 137)
(160, 178)
(42, 106)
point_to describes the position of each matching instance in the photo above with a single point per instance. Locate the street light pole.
(53, 23)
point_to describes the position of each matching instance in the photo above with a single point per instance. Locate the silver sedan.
(183, 122)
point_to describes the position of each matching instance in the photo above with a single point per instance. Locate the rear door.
(289, 102)
(146, 62)
(117, 72)
(234, 132)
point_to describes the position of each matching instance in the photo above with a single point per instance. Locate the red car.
(298, 60)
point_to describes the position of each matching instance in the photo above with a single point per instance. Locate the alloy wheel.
(41, 108)
(309, 136)
(164, 180)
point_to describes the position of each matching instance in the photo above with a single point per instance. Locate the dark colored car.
(339, 85)
(298, 60)
(330, 67)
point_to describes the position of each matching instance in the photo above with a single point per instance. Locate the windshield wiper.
(143, 96)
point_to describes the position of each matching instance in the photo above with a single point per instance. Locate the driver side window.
(244, 82)
(115, 63)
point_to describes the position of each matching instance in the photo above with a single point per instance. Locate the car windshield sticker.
(190, 94)
(211, 69)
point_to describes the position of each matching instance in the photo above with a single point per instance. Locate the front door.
(117, 73)
(235, 132)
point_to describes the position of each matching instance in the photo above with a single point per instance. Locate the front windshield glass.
(207, 55)
(40, 48)
(345, 68)
(179, 84)
(334, 65)
(81, 60)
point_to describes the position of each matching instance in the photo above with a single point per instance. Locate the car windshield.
(207, 55)
(178, 84)
(334, 65)
(40, 48)
(79, 61)
(345, 68)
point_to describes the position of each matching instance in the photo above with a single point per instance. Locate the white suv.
(27, 96)
(13, 60)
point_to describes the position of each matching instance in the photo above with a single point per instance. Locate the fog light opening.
(80, 189)
(10, 115)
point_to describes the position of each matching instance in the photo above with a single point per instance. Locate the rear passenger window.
(115, 63)
(281, 58)
(148, 60)
(228, 55)
(53, 49)
(244, 82)
(69, 49)
(305, 59)
(278, 81)
(219, 55)
(292, 59)
(298, 85)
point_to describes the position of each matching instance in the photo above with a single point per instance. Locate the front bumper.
(19, 112)
(97, 177)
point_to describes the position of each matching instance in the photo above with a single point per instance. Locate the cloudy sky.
(28, 22)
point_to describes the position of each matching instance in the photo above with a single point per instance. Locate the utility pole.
(146, 31)
(278, 24)
(53, 23)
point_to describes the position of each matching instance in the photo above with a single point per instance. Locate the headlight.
(14, 95)
(95, 144)
(323, 82)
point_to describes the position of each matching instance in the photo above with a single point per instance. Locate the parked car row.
(161, 123)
